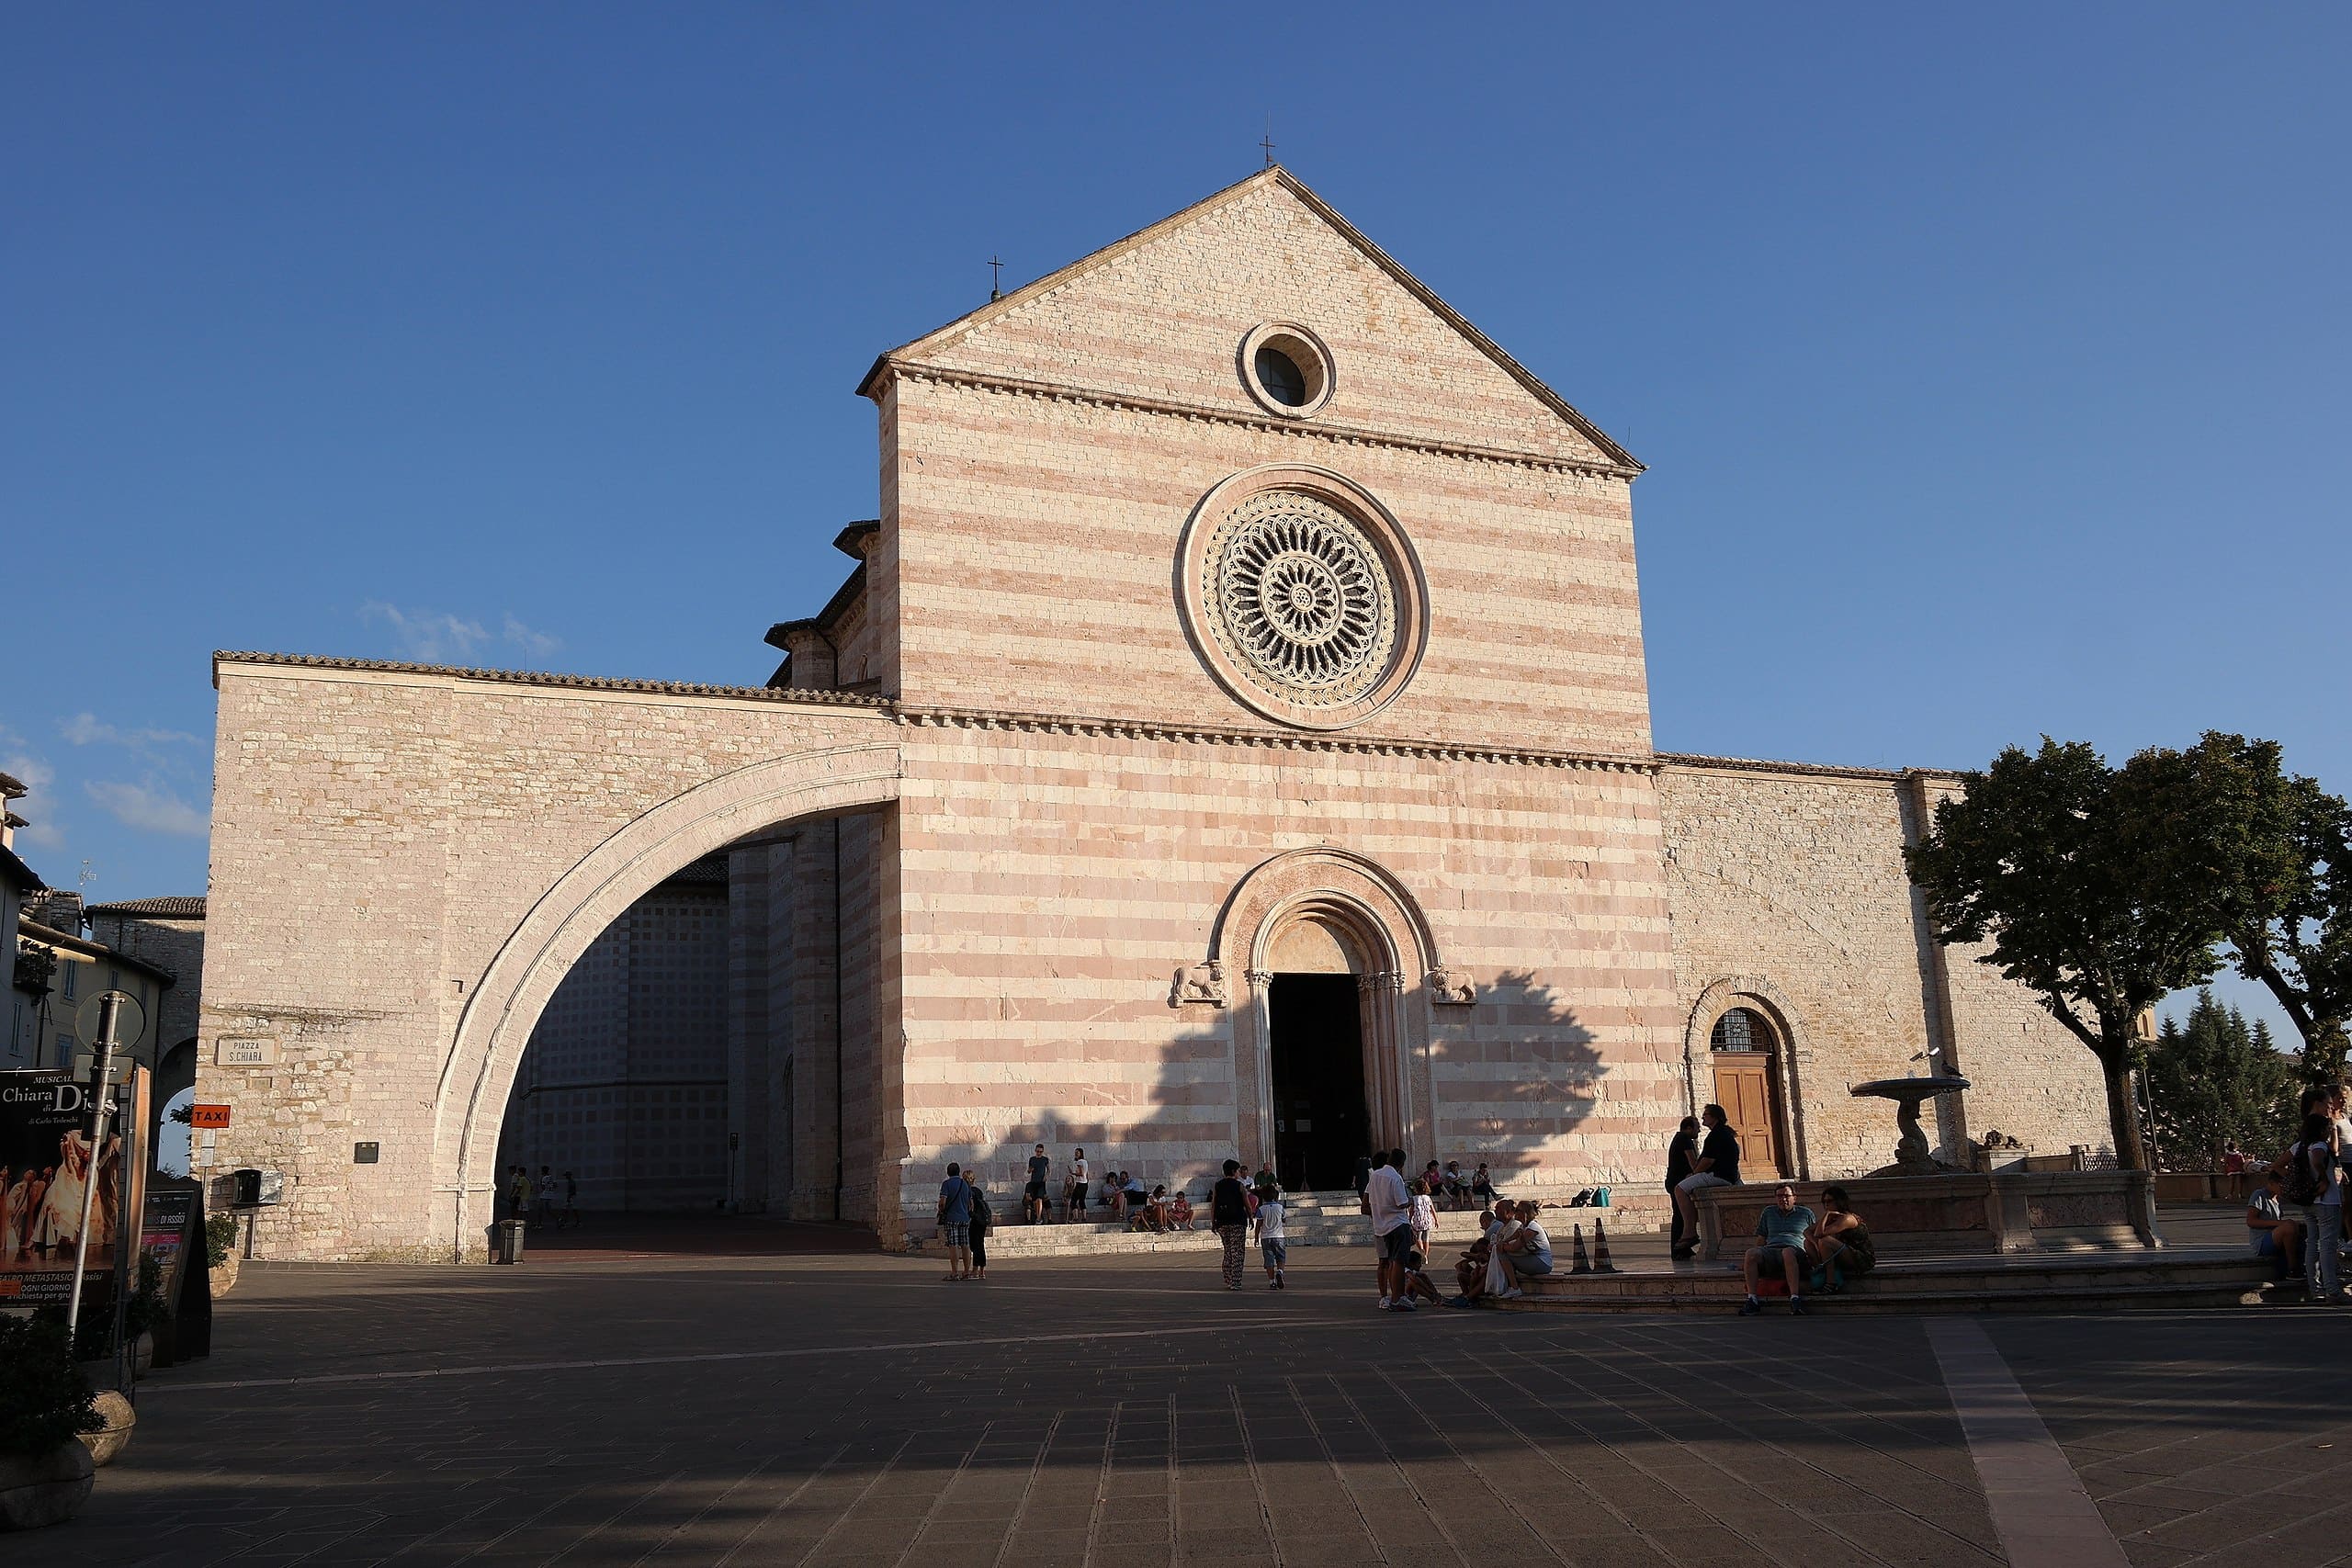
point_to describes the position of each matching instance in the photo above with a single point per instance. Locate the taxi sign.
(208, 1116)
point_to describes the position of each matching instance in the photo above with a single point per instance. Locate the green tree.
(2219, 1081)
(2281, 851)
(2079, 876)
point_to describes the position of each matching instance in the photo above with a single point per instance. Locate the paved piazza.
(852, 1409)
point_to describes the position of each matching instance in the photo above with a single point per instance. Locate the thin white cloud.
(430, 636)
(88, 729)
(149, 806)
(538, 644)
(436, 637)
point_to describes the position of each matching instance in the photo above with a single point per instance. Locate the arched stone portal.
(1332, 911)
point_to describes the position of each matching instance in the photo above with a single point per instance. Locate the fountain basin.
(1959, 1211)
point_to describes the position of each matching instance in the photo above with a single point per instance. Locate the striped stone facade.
(1012, 857)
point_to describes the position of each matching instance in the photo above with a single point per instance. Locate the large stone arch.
(478, 1070)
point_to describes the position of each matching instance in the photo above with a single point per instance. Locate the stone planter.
(224, 1276)
(111, 1438)
(47, 1490)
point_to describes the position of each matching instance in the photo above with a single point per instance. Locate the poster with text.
(47, 1167)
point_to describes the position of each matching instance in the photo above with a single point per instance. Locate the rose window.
(1302, 598)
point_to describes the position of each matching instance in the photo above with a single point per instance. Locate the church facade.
(1233, 738)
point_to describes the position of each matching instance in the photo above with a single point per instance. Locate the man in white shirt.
(1392, 1228)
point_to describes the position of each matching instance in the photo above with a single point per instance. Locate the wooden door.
(1743, 1088)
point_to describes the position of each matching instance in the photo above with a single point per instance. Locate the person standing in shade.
(1077, 1208)
(1681, 1159)
(1392, 1229)
(1035, 1207)
(518, 1193)
(1229, 1217)
(570, 1200)
(1271, 1246)
(546, 1189)
(955, 1223)
(1717, 1166)
(1365, 1165)
(983, 1221)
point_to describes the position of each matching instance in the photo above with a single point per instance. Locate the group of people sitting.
(1512, 1246)
(1800, 1247)
(1447, 1186)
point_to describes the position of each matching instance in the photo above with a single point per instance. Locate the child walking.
(1271, 1246)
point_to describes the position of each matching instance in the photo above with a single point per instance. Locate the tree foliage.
(2089, 887)
(2280, 853)
(2220, 1080)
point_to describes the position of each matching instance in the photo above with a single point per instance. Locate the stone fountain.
(1913, 1154)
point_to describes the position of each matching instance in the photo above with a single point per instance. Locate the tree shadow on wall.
(1516, 1074)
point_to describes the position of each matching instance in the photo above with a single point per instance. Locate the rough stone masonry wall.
(1053, 883)
(173, 943)
(1795, 879)
(377, 834)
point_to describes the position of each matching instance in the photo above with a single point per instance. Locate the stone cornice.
(791, 696)
(1315, 429)
(1804, 770)
(1145, 729)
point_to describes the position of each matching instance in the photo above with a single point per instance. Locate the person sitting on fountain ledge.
(1781, 1229)
(1717, 1166)
(2270, 1234)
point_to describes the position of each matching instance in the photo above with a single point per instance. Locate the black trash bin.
(508, 1248)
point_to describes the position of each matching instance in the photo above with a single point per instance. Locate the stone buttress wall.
(1794, 879)
(2034, 1081)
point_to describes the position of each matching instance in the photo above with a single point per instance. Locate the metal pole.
(108, 1008)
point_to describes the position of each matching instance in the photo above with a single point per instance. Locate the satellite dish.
(130, 1020)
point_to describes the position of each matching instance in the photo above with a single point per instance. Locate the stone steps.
(2102, 1282)
(1316, 1220)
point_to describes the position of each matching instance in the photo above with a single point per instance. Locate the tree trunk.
(2122, 1115)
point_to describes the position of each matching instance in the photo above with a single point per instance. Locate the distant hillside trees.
(2216, 1081)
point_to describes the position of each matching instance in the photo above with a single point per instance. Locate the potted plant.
(45, 1406)
(220, 1252)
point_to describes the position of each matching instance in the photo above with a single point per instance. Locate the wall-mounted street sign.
(208, 1116)
(244, 1054)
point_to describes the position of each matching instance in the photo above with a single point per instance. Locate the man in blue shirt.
(1780, 1230)
(955, 1222)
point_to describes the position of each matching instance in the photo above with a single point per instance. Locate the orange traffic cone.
(1600, 1263)
(1579, 1261)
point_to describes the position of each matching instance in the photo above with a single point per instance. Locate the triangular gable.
(959, 340)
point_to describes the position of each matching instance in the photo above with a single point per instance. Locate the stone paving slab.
(856, 1410)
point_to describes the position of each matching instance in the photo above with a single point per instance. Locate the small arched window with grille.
(1741, 1029)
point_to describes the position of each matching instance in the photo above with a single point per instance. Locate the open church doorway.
(1315, 1065)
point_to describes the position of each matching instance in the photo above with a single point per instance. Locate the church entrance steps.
(1308, 1220)
(2104, 1281)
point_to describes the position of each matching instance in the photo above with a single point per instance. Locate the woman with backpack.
(2315, 1185)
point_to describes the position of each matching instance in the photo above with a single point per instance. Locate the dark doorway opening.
(1316, 1065)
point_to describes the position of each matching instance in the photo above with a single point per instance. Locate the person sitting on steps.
(2271, 1232)
(1839, 1244)
(1782, 1230)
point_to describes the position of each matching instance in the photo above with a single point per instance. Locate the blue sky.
(1988, 362)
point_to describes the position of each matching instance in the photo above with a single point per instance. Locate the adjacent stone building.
(1233, 738)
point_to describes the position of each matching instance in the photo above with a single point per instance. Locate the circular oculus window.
(1286, 368)
(1303, 596)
